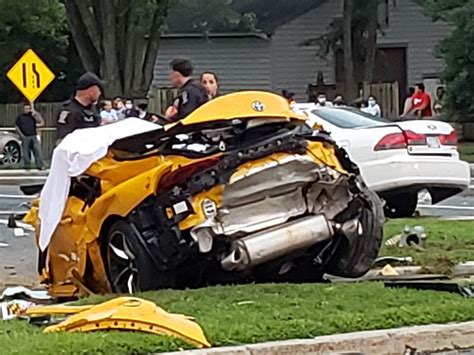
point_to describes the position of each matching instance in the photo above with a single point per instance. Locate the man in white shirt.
(373, 108)
(108, 114)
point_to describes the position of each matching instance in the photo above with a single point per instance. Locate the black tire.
(12, 153)
(401, 206)
(356, 252)
(129, 267)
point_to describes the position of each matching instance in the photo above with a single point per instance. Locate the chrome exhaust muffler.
(271, 244)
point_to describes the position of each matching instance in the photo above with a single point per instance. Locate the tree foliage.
(457, 52)
(37, 24)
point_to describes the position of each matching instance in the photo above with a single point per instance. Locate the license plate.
(433, 142)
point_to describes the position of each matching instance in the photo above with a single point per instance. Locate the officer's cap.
(88, 80)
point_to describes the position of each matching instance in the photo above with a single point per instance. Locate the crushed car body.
(241, 190)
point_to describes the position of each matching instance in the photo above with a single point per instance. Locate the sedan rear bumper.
(399, 172)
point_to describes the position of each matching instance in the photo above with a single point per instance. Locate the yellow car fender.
(125, 313)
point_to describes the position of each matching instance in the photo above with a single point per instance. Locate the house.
(274, 58)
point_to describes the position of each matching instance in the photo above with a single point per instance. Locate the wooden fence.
(387, 95)
(159, 99)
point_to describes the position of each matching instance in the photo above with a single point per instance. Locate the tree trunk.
(110, 58)
(83, 43)
(372, 11)
(350, 85)
(118, 39)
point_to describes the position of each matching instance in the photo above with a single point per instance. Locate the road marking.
(465, 208)
(18, 197)
(12, 212)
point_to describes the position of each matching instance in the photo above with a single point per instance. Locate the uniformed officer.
(81, 111)
(192, 93)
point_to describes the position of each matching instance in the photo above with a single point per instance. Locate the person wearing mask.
(211, 83)
(81, 111)
(420, 103)
(438, 103)
(321, 101)
(339, 100)
(119, 107)
(192, 93)
(145, 115)
(26, 125)
(108, 114)
(130, 110)
(373, 108)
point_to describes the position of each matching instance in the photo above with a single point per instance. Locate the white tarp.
(74, 155)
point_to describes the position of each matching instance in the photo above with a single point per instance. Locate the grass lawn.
(233, 315)
(466, 151)
(448, 243)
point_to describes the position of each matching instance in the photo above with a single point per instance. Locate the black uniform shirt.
(192, 95)
(75, 116)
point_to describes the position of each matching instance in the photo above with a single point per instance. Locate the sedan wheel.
(11, 153)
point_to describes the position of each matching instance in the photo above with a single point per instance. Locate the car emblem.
(432, 127)
(258, 106)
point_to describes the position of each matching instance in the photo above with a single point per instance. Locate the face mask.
(322, 100)
(372, 102)
(129, 106)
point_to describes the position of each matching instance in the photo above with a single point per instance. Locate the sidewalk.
(419, 339)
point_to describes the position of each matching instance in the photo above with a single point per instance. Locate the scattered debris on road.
(410, 237)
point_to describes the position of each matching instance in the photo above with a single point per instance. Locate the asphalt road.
(18, 257)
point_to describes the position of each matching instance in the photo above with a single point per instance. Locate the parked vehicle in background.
(397, 159)
(10, 148)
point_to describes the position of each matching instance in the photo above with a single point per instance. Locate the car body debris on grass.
(248, 314)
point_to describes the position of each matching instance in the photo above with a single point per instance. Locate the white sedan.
(397, 159)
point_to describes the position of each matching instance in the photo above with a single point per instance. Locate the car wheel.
(401, 205)
(361, 236)
(129, 267)
(11, 153)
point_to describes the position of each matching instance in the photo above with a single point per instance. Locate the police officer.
(192, 93)
(81, 111)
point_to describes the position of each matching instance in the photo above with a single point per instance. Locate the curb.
(429, 338)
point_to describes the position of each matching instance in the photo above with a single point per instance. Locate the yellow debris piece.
(125, 313)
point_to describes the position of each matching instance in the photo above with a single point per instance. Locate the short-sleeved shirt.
(419, 100)
(192, 95)
(75, 116)
(27, 124)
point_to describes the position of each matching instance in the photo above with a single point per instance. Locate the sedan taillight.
(415, 138)
(449, 139)
(392, 141)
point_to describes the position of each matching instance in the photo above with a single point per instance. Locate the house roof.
(270, 15)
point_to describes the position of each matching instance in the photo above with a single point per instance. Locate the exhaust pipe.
(271, 244)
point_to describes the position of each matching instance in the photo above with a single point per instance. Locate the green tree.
(354, 34)
(37, 24)
(457, 52)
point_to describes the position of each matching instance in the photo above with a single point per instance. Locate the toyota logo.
(258, 106)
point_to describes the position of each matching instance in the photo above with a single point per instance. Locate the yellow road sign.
(30, 75)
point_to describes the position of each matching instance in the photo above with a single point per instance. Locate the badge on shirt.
(63, 116)
(89, 118)
(185, 97)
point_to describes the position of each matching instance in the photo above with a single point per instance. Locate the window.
(348, 117)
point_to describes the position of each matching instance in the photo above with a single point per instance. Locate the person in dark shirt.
(130, 109)
(192, 93)
(81, 111)
(26, 124)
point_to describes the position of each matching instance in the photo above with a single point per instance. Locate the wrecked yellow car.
(242, 190)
